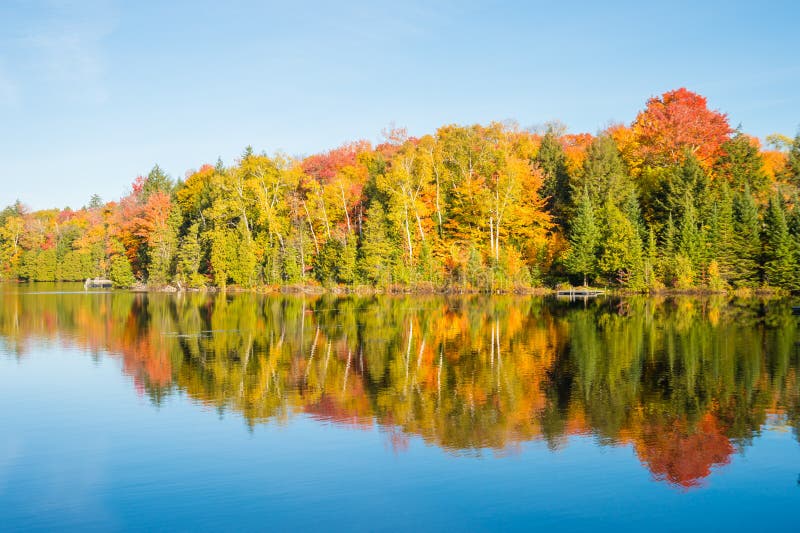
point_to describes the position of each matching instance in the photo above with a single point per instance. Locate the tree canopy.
(675, 199)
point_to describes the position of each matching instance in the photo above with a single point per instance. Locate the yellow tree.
(10, 250)
(409, 186)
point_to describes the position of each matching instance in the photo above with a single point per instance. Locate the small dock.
(97, 283)
(580, 293)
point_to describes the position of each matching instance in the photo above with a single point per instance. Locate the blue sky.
(92, 94)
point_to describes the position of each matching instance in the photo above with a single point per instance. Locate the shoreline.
(412, 290)
(430, 290)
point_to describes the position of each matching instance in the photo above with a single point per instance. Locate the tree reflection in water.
(684, 381)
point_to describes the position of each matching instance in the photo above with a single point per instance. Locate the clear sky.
(92, 94)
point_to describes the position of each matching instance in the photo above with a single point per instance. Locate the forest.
(677, 200)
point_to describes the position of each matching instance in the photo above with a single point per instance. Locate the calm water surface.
(192, 412)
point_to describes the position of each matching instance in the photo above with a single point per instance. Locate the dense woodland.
(678, 199)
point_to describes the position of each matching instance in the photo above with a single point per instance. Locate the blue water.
(82, 447)
(91, 453)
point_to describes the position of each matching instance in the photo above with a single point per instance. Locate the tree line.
(677, 199)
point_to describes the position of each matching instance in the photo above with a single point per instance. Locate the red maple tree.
(678, 123)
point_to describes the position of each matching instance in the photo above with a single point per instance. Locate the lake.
(123, 411)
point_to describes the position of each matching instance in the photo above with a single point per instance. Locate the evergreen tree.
(95, 202)
(793, 162)
(556, 186)
(650, 260)
(219, 167)
(376, 248)
(65, 241)
(722, 234)
(691, 239)
(428, 266)
(347, 267)
(72, 268)
(793, 222)
(273, 261)
(328, 261)
(780, 260)
(631, 207)
(689, 178)
(793, 218)
(669, 244)
(584, 239)
(244, 262)
(156, 181)
(684, 274)
(748, 240)
(290, 265)
(46, 265)
(188, 258)
(604, 174)
(621, 257)
(741, 164)
(221, 253)
(120, 273)
(27, 265)
(162, 247)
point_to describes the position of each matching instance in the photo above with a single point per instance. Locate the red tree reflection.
(682, 454)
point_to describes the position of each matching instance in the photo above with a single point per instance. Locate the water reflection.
(686, 382)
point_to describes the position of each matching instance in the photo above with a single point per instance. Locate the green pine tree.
(429, 267)
(604, 174)
(347, 267)
(793, 222)
(376, 248)
(584, 239)
(793, 162)
(328, 261)
(651, 260)
(162, 248)
(120, 273)
(621, 257)
(95, 202)
(669, 244)
(70, 268)
(741, 164)
(722, 234)
(290, 265)
(244, 270)
(156, 181)
(780, 260)
(46, 265)
(691, 239)
(556, 185)
(188, 258)
(746, 272)
(677, 182)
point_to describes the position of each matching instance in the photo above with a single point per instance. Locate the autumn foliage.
(675, 200)
(674, 125)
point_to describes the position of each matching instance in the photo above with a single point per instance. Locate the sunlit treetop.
(676, 124)
(324, 167)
